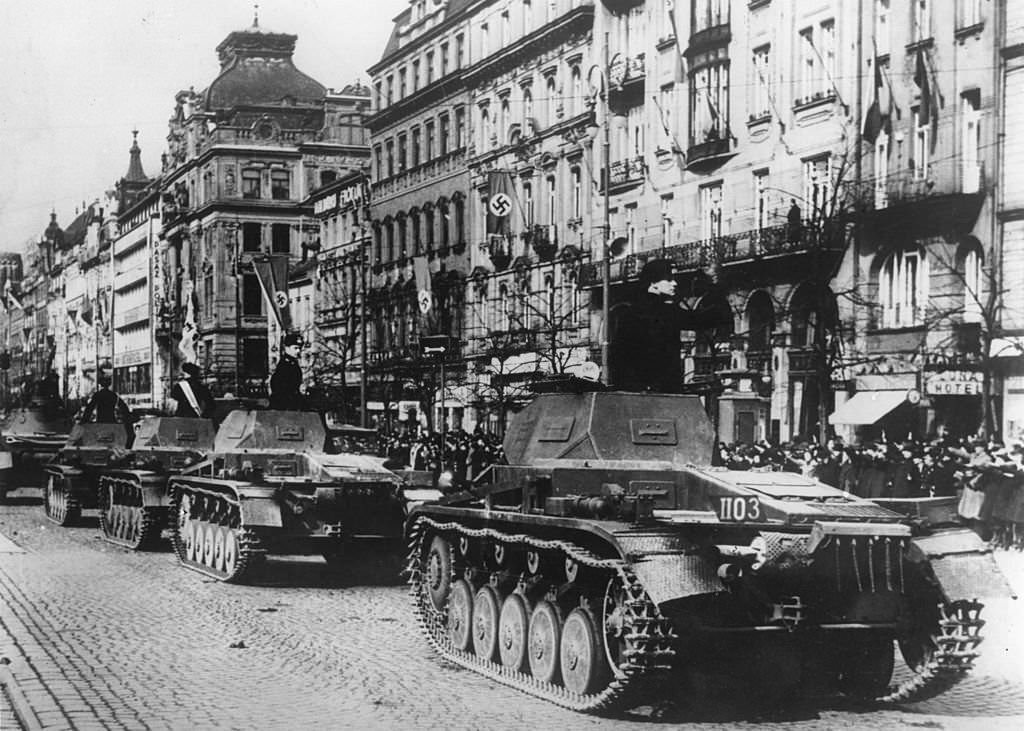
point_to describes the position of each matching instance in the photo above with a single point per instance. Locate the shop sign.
(954, 383)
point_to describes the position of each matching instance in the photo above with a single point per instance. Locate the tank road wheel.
(533, 562)
(512, 625)
(439, 571)
(460, 615)
(572, 569)
(867, 669)
(208, 540)
(59, 505)
(582, 659)
(194, 540)
(614, 622)
(219, 537)
(485, 623)
(545, 632)
(231, 548)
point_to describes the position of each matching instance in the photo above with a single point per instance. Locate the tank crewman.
(191, 396)
(106, 407)
(644, 347)
(287, 378)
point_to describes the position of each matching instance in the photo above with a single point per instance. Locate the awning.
(867, 407)
(1008, 347)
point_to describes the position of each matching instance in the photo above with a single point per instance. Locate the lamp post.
(606, 266)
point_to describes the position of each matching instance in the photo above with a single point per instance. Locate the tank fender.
(676, 576)
(259, 510)
(962, 564)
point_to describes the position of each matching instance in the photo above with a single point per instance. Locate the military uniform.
(285, 384)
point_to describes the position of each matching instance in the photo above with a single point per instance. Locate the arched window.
(528, 129)
(507, 307)
(903, 288)
(576, 101)
(551, 102)
(973, 284)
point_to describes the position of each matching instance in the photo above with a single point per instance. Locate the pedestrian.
(191, 396)
(794, 223)
(287, 379)
(644, 352)
(105, 406)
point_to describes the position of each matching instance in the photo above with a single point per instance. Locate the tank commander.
(287, 378)
(191, 396)
(644, 344)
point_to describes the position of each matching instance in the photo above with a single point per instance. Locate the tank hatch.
(292, 431)
(611, 426)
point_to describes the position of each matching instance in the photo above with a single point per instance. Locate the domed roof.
(256, 69)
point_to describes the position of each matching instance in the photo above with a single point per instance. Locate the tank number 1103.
(738, 509)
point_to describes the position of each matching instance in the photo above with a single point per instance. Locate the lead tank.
(608, 560)
(268, 487)
(72, 475)
(132, 499)
(30, 437)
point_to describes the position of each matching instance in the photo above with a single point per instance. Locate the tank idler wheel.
(581, 657)
(614, 622)
(868, 668)
(231, 549)
(439, 571)
(572, 569)
(208, 540)
(545, 633)
(460, 615)
(512, 631)
(486, 610)
(533, 562)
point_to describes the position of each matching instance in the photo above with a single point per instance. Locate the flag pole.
(606, 266)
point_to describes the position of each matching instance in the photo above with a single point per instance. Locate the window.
(485, 128)
(709, 13)
(817, 187)
(428, 224)
(401, 84)
(919, 162)
(280, 188)
(250, 183)
(666, 105)
(922, 20)
(760, 86)
(280, 238)
(551, 103)
(529, 123)
(485, 40)
(428, 141)
(378, 245)
(576, 100)
(970, 13)
(252, 295)
(711, 211)
(709, 104)
(761, 200)
(552, 196)
(971, 128)
(460, 50)
(527, 16)
(972, 285)
(904, 289)
(415, 147)
(251, 236)
(378, 94)
(828, 57)
(378, 157)
(460, 221)
(430, 67)
(577, 193)
(402, 149)
(528, 207)
(666, 220)
(445, 225)
(635, 128)
(415, 75)
(506, 28)
(881, 155)
(414, 226)
(882, 27)
(391, 89)
(807, 79)
(630, 228)
(504, 120)
(390, 235)
(403, 241)
(444, 59)
(390, 147)
(460, 127)
(443, 140)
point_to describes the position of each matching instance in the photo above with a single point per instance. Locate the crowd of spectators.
(463, 454)
(985, 475)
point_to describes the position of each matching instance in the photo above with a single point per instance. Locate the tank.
(29, 438)
(269, 487)
(132, 499)
(609, 564)
(73, 473)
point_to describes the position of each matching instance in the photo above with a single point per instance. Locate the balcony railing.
(942, 178)
(706, 365)
(454, 161)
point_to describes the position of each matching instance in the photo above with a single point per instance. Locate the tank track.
(646, 658)
(955, 640)
(124, 520)
(207, 535)
(59, 502)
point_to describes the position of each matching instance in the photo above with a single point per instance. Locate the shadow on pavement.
(313, 572)
(21, 500)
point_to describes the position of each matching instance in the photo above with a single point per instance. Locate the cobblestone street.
(97, 637)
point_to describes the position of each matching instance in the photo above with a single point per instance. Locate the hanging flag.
(85, 315)
(873, 120)
(272, 273)
(924, 109)
(189, 330)
(10, 298)
(680, 75)
(499, 203)
(421, 271)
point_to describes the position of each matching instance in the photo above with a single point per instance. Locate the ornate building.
(243, 157)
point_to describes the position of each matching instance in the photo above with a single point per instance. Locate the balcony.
(750, 248)
(627, 73)
(626, 174)
(621, 6)
(450, 162)
(716, 34)
(131, 316)
(709, 364)
(710, 153)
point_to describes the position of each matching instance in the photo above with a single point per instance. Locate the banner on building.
(499, 203)
(272, 273)
(189, 330)
(421, 270)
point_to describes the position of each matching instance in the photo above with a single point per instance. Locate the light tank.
(608, 560)
(269, 487)
(30, 437)
(132, 499)
(72, 475)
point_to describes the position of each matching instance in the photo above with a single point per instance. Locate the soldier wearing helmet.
(287, 378)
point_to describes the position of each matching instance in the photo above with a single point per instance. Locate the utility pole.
(606, 266)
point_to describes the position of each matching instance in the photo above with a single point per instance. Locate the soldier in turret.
(287, 378)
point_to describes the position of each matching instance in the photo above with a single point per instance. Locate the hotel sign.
(954, 383)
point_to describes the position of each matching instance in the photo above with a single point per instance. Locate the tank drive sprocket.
(600, 656)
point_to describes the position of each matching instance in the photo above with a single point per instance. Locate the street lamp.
(606, 267)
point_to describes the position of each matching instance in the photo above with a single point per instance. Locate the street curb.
(19, 703)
